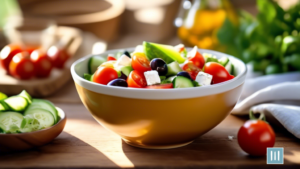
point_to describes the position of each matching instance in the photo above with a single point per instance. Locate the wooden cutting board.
(58, 77)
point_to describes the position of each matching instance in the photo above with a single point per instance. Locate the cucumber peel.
(165, 52)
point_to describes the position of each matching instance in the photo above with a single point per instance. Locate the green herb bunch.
(270, 42)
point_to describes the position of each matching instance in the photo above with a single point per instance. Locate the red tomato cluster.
(196, 63)
(27, 63)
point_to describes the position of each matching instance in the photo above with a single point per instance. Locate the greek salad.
(22, 113)
(157, 66)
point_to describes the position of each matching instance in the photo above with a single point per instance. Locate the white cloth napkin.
(265, 89)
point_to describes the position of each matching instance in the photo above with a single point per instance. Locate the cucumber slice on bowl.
(44, 117)
(94, 62)
(224, 61)
(165, 52)
(182, 82)
(26, 96)
(10, 121)
(3, 106)
(88, 77)
(173, 69)
(29, 124)
(2, 96)
(17, 103)
(43, 104)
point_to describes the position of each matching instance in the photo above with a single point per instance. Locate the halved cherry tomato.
(42, 63)
(104, 75)
(140, 62)
(161, 86)
(21, 66)
(7, 53)
(110, 58)
(136, 79)
(255, 136)
(58, 56)
(219, 73)
(192, 69)
(196, 57)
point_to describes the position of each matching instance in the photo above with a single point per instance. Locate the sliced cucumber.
(126, 70)
(3, 106)
(2, 96)
(165, 52)
(224, 61)
(45, 117)
(182, 82)
(162, 78)
(17, 103)
(94, 62)
(232, 70)
(173, 69)
(10, 121)
(26, 96)
(43, 104)
(210, 58)
(29, 124)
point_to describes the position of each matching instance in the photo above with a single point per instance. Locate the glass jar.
(201, 20)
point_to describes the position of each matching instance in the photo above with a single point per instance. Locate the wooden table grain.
(86, 144)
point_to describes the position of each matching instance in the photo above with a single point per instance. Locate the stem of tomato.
(261, 116)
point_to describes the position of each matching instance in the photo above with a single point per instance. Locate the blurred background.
(263, 33)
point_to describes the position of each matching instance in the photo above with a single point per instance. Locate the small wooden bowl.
(25, 141)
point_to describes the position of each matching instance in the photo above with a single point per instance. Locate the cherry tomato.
(111, 58)
(196, 57)
(140, 62)
(219, 73)
(161, 86)
(7, 53)
(136, 79)
(255, 136)
(192, 69)
(30, 49)
(104, 75)
(42, 63)
(58, 56)
(21, 66)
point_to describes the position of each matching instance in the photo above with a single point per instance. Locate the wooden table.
(86, 144)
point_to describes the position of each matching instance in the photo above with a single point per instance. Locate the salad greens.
(269, 42)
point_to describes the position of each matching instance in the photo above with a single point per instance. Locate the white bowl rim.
(160, 94)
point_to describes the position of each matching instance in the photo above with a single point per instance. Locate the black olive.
(118, 82)
(160, 66)
(184, 74)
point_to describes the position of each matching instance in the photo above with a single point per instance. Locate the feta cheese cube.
(204, 79)
(123, 61)
(152, 77)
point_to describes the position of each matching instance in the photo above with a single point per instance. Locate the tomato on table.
(21, 66)
(136, 79)
(255, 136)
(7, 53)
(219, 73)
(42, 63)
(196, 57)
(161, 86)
(111, 58)
(58, 56)
(104, 75)
(140, 62)
(192, 69)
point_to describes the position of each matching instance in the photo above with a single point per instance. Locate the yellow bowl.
(25, 141)
(159, 119)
